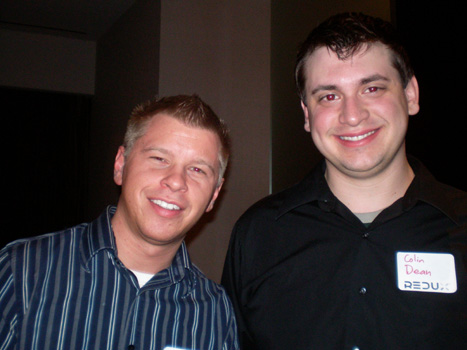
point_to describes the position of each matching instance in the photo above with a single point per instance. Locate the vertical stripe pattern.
(68, 290)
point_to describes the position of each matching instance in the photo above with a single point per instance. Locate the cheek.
(202, 196)
(136, 180)
(321, 123)
(395, 114)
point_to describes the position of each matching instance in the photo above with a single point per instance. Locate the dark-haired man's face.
(357, 110)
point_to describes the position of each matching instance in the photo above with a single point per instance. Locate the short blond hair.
(188, 109)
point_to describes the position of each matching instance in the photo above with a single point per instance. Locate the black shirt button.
(131, 347)
(366, 235)
(362, 290)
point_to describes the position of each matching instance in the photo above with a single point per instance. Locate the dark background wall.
(127, 74)
(45, 146)
(435, 35)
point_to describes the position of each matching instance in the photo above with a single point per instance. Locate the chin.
(362, 169)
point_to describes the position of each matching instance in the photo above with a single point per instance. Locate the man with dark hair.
(369, 251)
(125, 281)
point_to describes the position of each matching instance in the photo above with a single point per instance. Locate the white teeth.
(356, 138)
(165, 205)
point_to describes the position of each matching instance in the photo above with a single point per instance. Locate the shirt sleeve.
(8, 306)
(231, 281)
(231, 341)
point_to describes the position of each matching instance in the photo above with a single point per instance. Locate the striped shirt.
(68, 290)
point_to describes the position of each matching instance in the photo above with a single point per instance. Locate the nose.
(175, 180)
(353, 111)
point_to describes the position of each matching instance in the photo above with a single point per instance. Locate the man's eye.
(159, 159)
(198, 170)
(373, 89)
(329, 97)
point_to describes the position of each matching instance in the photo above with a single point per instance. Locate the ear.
(119, 165)
(412, 95)
(214, 196)
(306, 114)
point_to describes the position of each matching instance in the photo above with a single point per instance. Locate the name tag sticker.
(426, 272)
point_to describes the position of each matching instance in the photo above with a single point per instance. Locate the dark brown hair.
(345, 34)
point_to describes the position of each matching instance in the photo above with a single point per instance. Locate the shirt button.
(355, 348)
(366, 235)
(131, 347)
(362, 291)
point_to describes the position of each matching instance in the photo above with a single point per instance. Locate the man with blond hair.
(125, 281)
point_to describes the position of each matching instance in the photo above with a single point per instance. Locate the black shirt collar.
(424, 187)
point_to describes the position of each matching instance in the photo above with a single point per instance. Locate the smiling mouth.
(165, 205)
(357, 138)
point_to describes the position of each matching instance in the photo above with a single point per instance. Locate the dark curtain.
(44, 143)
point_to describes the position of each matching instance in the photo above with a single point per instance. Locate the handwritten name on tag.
(426, 272)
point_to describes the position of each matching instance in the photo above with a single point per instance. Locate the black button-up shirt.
(304, 273)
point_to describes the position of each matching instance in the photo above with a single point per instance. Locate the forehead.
(324, 66)
(175, 134)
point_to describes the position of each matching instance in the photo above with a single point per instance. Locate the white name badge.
(426, 272)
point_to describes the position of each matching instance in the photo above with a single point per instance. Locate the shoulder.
(23, 260)
(426, 188)
(450, 200)
(312, 188)
(211, 295)
(271, 212)
(47, 237)
(452, 193)
(212, 302)
(205, 285)
(268, 208)
(33, 250)
(454, 202)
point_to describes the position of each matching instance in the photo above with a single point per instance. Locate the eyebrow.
(152, 149)
(323, 88)
(372, 78)
(198, 161)
(364, 81)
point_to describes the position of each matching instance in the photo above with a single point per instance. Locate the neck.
(139, 255)
(365, 195)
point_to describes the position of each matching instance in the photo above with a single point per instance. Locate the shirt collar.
(99, 236)
(423, 188)
(180, 264)
(312, 188)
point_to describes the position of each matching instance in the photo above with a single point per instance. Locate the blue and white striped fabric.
(68, 290)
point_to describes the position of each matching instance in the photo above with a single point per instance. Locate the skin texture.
(357, 112)
(169, 179)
